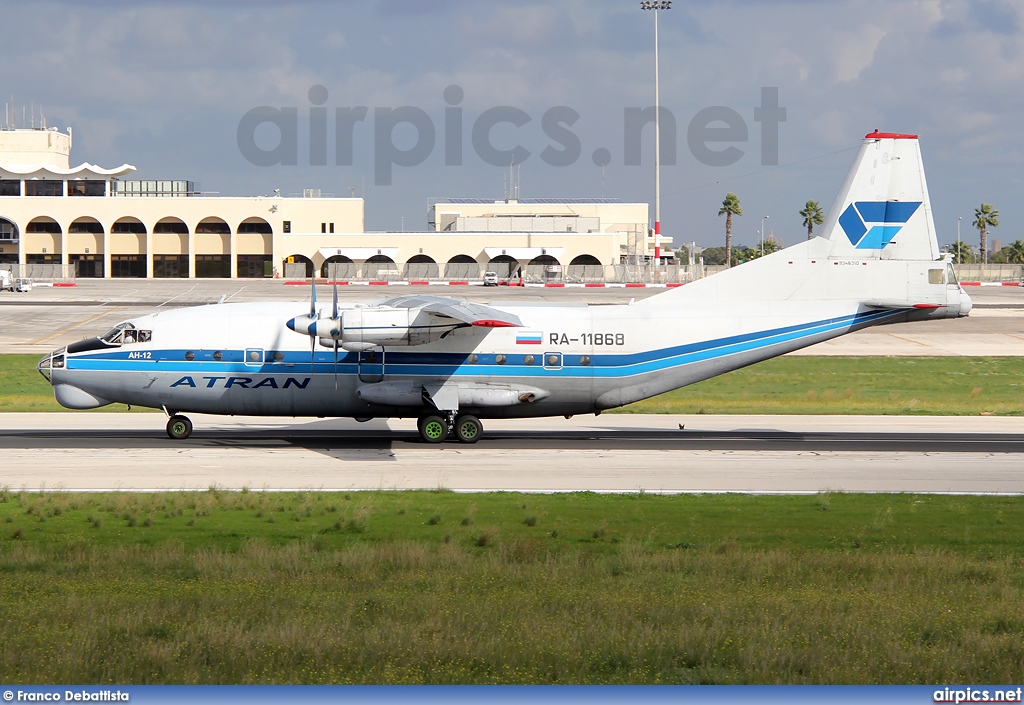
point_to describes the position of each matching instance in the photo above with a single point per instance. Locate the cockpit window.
(126, 334)
(951, 275)
(112, 336)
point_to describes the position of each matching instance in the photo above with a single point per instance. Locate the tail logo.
(871, 225)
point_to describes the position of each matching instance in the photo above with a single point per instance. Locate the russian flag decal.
(529, 337)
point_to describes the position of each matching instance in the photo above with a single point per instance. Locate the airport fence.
(55, 273)
(514, 274)
(989, 272)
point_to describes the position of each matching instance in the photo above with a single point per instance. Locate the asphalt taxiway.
(610, 453)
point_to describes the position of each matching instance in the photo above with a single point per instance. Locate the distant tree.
(1015, 252)
(770, 246)
(683, 254)
(963, 255)
(742, 254)
(730, 207)
(812, 216)
(984, 218)
(1000, 257)
(714, 255)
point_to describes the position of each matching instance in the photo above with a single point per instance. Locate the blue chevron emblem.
(871, 225)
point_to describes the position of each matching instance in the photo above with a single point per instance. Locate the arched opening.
(505, 266)
(381, 268)
(170, 249)
(42, 243)
(85, 248)
(254, 243)
(584, 269)
(129, 225)
(128, 241)
(462, 267)
(421, 268)
(212, 226)
(43, 224)
(212, 241)
(255, 225)
(297, 267)
(339, 268)
(544, 268)
(9, 236)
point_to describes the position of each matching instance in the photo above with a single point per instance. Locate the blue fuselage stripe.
(402, 362)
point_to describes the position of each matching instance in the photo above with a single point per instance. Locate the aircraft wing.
(461, 311)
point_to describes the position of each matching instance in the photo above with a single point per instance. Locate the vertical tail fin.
(882, 210)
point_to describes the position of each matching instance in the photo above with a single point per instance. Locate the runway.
(611, 453)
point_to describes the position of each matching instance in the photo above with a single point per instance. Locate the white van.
(23, 284)
(6, 280)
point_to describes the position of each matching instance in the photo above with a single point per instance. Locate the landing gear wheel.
(433, 429)
(468, 429)
(179, 427)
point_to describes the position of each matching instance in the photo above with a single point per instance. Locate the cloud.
(163, 84)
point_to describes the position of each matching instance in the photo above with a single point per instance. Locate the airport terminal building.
(59, 221)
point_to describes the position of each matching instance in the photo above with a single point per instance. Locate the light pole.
(656, 5)
(958, 255)
(762, 234)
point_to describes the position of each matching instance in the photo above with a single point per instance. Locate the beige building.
(88, 221)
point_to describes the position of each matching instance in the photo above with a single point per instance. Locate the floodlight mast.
(656, 5)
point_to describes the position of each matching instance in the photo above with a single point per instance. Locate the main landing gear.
(437, 427)
(179, 427)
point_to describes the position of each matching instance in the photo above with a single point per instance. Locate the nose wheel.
(179, 427)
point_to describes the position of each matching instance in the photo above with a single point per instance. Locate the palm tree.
(812, 216)
(984, 218)
(961, 252)
(1016, 253)
(730, 207)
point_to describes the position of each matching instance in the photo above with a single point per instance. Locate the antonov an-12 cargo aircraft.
(450, 363)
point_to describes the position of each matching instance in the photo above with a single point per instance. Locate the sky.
(183, 90)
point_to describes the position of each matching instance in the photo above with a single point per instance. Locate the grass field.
(436, 587)
(787, 385)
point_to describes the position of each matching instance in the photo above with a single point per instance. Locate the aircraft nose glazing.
(53, 361)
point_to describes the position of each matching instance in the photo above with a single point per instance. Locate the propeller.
(313, 315)
(307, 324)
(316, 327)
(335, 333)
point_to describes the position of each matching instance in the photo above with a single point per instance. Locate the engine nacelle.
(366, 328)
